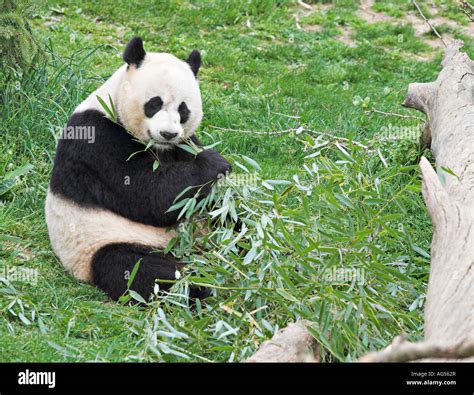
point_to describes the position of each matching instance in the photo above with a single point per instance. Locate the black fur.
(113, 264)
(183, 112)
(152, 106)
(99, 175)
(194, 61)
(134, 52)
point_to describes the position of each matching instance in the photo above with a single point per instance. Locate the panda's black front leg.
(213, 165)
(173, 178)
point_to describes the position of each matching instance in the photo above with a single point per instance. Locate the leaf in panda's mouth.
(189, 146)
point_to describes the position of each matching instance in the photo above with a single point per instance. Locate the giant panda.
(106, 206)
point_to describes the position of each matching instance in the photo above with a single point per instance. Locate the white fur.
(160, 74)
(76, 233)
(110, 87)
(163, 75)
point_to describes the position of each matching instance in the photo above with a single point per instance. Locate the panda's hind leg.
(113, 264)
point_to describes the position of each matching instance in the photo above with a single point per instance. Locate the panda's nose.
(168, 135)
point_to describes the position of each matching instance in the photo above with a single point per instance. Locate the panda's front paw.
(196, 292)
(214, 166)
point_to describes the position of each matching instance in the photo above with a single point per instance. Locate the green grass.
(260, 73)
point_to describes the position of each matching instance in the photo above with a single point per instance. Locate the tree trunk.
(448, 103)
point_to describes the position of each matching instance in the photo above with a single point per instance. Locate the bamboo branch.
(393, 114)
(403, 351)
(428, 22)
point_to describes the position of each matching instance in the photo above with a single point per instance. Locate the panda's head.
(159, 97)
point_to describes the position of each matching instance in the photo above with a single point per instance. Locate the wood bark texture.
(448, 104)
(291, 344)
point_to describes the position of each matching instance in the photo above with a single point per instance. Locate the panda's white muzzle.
(164, 127)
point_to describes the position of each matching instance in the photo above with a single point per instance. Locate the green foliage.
(110, 109)
(340, 214)
(18, 47)
(12, 177)
(336, 210)
(317, 205)
(19, 308)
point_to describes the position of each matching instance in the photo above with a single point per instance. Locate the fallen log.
(448, 103)
(403, 351)
(291, 344)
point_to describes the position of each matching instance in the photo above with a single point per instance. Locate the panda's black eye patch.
(183, 112)
(152, 106)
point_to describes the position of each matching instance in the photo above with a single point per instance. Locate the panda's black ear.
(134, 52)
(194, 61)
